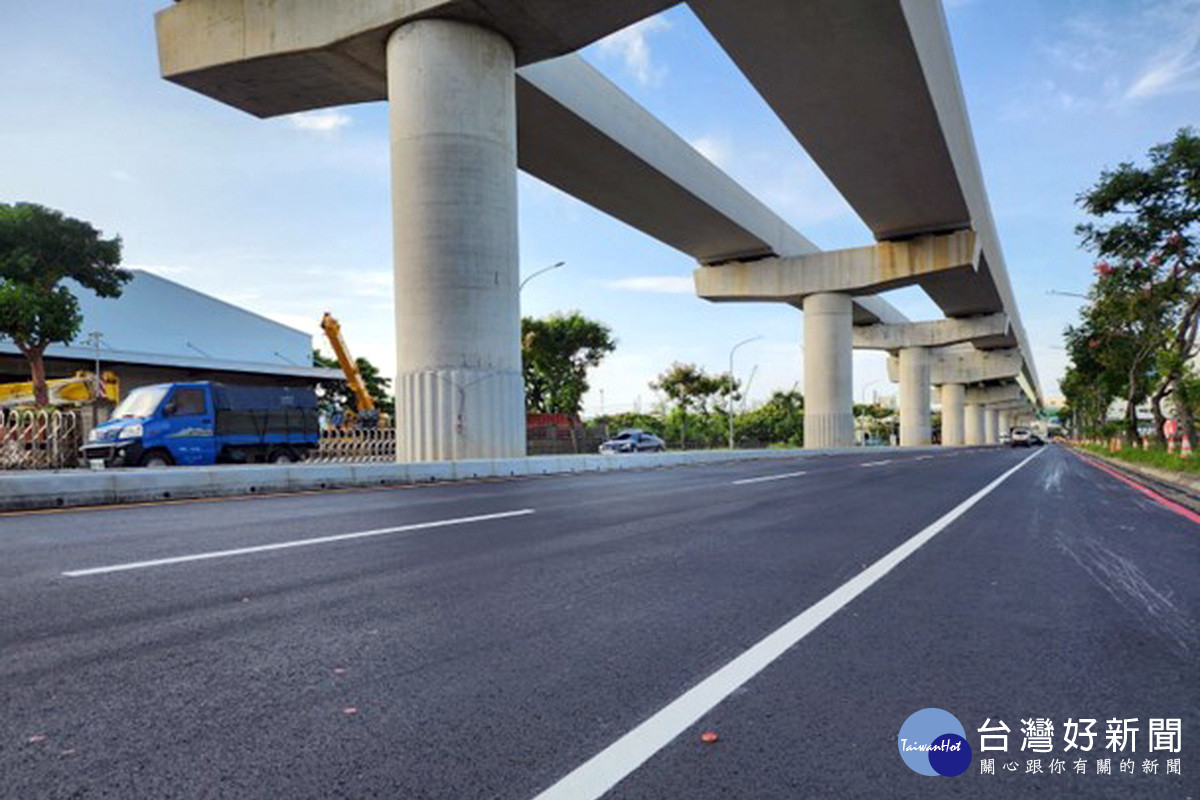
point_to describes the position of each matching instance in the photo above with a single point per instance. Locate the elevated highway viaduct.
(461, 125)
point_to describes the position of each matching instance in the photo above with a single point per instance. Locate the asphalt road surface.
(572, 637)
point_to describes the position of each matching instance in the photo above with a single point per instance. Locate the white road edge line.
(769, 478)
(262, 548)
(611, 765)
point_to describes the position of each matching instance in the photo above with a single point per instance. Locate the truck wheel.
(282, 457)
(155, 459)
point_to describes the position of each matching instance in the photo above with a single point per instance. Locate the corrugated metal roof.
(159, 322)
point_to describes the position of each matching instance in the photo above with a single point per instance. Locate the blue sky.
(290, 217)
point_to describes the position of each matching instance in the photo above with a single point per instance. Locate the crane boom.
(74, 391)
(333, 332)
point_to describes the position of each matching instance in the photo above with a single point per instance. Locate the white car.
(633, 441)
(1021, 437)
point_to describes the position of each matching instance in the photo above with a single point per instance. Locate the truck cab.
(202, 423)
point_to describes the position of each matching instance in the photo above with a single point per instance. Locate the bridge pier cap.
(270, 57)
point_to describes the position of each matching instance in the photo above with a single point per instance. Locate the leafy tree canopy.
(335, 395)
(39, 248)
(556, 354)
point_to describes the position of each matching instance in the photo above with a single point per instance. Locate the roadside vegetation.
(1154, 457)
(40, 249)
(1136, 337)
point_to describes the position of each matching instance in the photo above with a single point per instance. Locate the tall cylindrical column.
(459, 392)
(953, 397)
(973, 423)
(1004, 423)
(828, 371)
(989, 425)
(914, 396)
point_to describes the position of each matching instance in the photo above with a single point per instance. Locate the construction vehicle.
(366, 415)
(80, 389)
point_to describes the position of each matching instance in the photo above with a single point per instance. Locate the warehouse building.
(160, 331)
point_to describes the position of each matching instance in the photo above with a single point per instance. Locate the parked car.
(1021, 437)
(633, 441)
(206, 423)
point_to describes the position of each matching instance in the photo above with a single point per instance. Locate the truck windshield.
(140, 402)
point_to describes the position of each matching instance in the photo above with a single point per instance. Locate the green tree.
(556, 354)
(335, 395)
(1122, 335)
(690, 387)
(1147, 234)
(780, 420)
(39, 249)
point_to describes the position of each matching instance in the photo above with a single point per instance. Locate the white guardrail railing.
(40, 438)
(356, 445)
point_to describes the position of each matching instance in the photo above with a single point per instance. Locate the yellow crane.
(362, 398)
(77, 390)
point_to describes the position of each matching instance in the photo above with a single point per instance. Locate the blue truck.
(207, 423)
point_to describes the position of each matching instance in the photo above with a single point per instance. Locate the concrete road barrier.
(66, 488)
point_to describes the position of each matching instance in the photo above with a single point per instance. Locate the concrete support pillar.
(973, 423)
(990, 418)
(828, 371)
(953, 398)
(459, 392)
(1004, 423)
(914, 396)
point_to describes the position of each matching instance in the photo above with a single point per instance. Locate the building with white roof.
(159, 331)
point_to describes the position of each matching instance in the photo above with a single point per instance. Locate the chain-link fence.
(357, 444)
(40, 438)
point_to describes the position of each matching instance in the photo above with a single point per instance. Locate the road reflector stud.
(709, 737)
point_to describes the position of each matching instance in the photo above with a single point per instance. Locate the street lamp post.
(93, 339)
(1066, 294)
(555, 265)
(866, 386)
(730, 404)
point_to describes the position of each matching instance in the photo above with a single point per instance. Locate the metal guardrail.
(40, 438)
(358, 444)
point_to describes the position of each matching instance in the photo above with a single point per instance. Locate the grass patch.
(1155, 457)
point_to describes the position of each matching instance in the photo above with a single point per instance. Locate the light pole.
(555, 265)
(731, 352)
(93, 339)
(866, 386)
(1066, 294)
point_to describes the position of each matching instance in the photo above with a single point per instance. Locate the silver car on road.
(633, 441)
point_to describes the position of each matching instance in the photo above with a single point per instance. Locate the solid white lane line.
(770, 478)
(876, 463)
(614, 763)
(262, 548)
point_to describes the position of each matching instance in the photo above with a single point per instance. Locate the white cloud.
(320, 121)
(1093, 52)
(715, 150)
(658, 284)
(1171, 72)
(631, 46)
